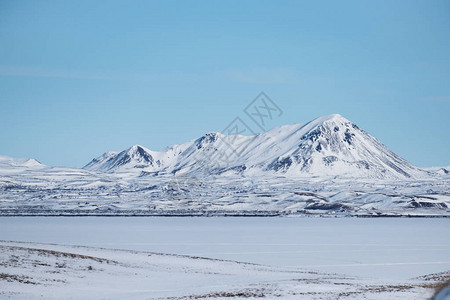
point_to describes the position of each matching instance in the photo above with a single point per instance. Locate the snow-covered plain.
(63, 191)
(376, 247)
(295, 258)
(36, 271)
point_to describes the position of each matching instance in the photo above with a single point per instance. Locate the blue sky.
(79, 78)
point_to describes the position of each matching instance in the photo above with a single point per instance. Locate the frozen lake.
(397, 248)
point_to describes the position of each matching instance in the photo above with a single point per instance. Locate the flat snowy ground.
(294, 258)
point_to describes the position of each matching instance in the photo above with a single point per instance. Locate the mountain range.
(326, 166)
(327, 146)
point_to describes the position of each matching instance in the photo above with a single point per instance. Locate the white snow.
(296, 258)
(394, 248)
(74, 191)
(10, 165)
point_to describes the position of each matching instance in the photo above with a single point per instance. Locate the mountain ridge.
(326, 166)
(329, 145)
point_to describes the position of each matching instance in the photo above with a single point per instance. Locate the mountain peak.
(138, 149)
(136, 156)
(9, 165)
(333, 118)
(209, 138)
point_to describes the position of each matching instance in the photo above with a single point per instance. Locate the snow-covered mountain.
(9, 165)
(443, 171)
(137, 157)
(326, 166)
(327, 146)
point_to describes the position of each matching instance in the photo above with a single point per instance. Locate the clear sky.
(79, 78)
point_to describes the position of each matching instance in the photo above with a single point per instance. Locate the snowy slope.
(443, 171)
(137, 157)
(332, 145)
(50, 271)
(10, 165)
(327, 146)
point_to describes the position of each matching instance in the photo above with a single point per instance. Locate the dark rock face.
(206, 139)
(146, 157)
(327, 206)
(329, 160)
(122, 161)
(313, 135)
(280, 164)
(416, 204)
(362, 164)
(135, 153)
(348, 136)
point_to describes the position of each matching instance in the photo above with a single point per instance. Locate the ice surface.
(378, 248)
